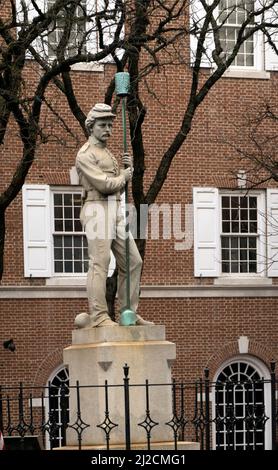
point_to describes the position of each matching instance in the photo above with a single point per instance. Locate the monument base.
(97, 357)
(181, 445)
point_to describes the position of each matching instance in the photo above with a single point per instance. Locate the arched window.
(242, 405)
(57, 407)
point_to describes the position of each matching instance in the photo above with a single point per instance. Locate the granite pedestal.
(99, 354)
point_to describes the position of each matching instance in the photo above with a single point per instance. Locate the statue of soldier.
(101, 216)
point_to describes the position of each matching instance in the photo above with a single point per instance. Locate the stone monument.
(100, 347)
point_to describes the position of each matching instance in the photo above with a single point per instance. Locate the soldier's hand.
(127, 160)
(128, 173)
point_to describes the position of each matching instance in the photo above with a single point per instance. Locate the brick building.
(217, 297)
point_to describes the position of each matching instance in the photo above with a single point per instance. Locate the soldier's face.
(102, 129)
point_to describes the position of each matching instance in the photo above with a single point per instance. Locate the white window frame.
(64, 276)
(61, 190)
(261, 238)
(71, 46)
(258, 55)
(53, 375)
(263, 372)
(265, 60)
(92, 45)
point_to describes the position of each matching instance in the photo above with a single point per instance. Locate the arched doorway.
(242, 405)
(57, 407)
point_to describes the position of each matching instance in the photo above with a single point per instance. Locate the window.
(240, 235)
(69, 241)
(255, 56)
(85, 21)
(54, 242)
(233, 13)
(78, 29)
(57, 408)
(241, 406)
(234, 233)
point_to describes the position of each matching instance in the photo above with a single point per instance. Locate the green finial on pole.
(122, 84)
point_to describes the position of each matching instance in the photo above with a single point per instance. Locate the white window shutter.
(272, 232)
(36, 230)
(271, 58)
(197, 16)
(206, 232)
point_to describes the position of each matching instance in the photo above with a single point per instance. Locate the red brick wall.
(205, 332)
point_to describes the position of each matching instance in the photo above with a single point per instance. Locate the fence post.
(127, 410)
(273, 404)
(207, 412)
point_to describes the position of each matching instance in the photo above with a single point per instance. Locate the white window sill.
(250, 74)
(87, 67)
(242, 281)
(66, 281)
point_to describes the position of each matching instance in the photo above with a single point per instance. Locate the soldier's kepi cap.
(100, 110)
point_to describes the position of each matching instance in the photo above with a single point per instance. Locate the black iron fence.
(230, 414)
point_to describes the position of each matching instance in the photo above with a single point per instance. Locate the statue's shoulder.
(84, 148)
(83, 152)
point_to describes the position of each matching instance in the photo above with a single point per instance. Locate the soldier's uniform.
(101, 216)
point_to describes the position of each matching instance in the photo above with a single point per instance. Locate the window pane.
(68, 267)
(252, 267)
(225, 242)
(76, 212)
(77, 241)
(235, 214)
(225, 267)
(77, 199)
(68, 213)
(252, 242)
(68, 225)
(243, 242)
(58, 225)
(68, 253)
(68, 199)
(58, 212)
(225, 201)
(234, 267)
(77, 226)
(244, 214)
(58, 266)
(235, 227)
(253, 214)
(57, 240)
(57, 199)
(243, 268)
(244, 227)
(78, 267)
(58, 253)
(243, 254)
(243, 202)
(68, 241)
(253, 227)
(235, 202)
(249, 60)
(234, 242)
(226, 227)
(225, 214)
(77, 253)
